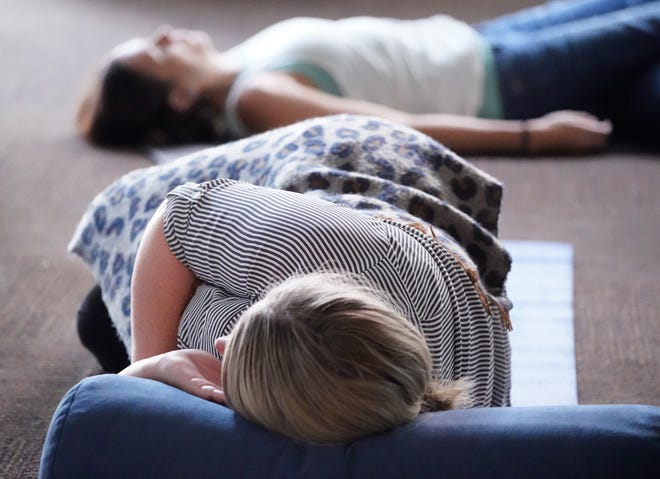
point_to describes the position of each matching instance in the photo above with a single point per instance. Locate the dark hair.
(133, 110)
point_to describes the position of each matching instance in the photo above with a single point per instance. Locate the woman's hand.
(567, 131)
(192, 370)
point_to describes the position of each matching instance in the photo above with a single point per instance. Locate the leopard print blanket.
(365, 163)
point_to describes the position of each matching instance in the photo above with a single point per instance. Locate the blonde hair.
(324, 359)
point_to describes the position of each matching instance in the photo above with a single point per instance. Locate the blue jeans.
(601, 56)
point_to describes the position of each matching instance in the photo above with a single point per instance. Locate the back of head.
(324, 360)
(126, 108)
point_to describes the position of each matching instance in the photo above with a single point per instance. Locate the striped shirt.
(238, 239)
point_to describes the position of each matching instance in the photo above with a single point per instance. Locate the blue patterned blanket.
(366, 163)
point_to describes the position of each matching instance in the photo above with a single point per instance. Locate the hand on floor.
(566, 131)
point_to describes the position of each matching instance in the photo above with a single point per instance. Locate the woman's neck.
(221, 78)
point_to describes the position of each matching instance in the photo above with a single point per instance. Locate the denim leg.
(553, 13)
(636, 112)
(577, 65)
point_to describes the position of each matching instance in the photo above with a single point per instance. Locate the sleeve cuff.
(176, 219)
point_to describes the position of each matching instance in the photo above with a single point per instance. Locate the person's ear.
(221, 344)
(182, 98)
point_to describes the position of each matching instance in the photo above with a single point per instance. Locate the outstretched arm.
(277, 99)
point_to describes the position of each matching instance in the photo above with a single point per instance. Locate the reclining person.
(538, 81)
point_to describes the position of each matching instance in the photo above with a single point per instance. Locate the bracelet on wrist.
(524, 137)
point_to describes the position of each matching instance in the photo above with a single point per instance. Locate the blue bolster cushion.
(123, 427)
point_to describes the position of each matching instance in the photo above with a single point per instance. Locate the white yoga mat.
(540, 286)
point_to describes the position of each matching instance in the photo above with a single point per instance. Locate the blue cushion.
(115, 426)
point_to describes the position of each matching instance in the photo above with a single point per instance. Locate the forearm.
(560, 132)
(144, 368)
(279, 99)
(465, 134)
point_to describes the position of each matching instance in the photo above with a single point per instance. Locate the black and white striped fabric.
(239, 239)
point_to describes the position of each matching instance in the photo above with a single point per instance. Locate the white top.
(429, 65)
